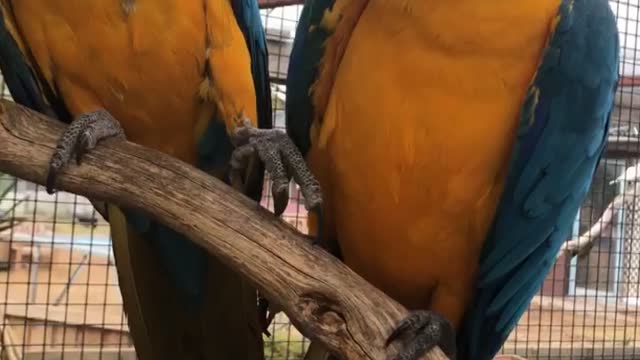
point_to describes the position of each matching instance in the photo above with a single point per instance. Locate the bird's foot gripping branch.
(282, 160)
(81, 136)
(324, 299)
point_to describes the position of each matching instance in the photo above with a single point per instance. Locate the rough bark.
(323, 298)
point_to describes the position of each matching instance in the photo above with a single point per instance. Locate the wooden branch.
(270, 4)
(323, 298)
(583, 244)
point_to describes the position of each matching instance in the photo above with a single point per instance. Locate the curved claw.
(81, 136)
(282, 160)
(263, 313)
(280, 198)
(423, 330)
(267, 313)
(51, 180)
(84, 143)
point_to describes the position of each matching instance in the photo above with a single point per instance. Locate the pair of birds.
(453, 140)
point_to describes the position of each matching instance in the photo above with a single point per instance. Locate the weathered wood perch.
(323, 298)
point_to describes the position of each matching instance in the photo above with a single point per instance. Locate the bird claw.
(422, 331)
(282, 160)
(82, 135)
(266, 314)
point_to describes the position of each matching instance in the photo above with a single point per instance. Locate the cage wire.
(59, 295)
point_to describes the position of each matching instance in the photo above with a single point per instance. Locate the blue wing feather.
(17, 74)
(214, 147)
(188, 262)
(21, 78)
(554, 160)
(306, 55)
(562, 132)
(250, 23)
(248, 17)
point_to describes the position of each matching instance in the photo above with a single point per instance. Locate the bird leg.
(82, 135)
(282, 160)
(421, 332)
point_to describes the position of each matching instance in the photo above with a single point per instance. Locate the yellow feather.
(418, 103)
(146, 68)
(144, 61)
(342, 20)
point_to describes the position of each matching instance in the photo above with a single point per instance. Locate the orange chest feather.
(145, 64)
(413, 145)
(417, 103)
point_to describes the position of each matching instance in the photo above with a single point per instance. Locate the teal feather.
(560, 139)
(306, 54)
(186, 263)
(552, 166)
(20, 78)
(17, 74)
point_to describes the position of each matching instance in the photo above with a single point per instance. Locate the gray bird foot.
(82, 135)
(421, 332)
(282, 160)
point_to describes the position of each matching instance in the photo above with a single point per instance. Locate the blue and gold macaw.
(185, 77)
(454, 142)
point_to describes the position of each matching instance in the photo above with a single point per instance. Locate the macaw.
(454, 142)
(185, 77)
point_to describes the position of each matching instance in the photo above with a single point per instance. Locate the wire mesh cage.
(59, 294)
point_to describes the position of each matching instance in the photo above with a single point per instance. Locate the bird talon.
(421, 331)
(266, 315)
(282, 160)
(84, 143)
(280, 198)
(51, 179)
(263, 310)
(81, 136)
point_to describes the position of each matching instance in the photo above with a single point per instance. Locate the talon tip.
(388, 342)
(51, 179)
(279, 209)
(280, 201)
